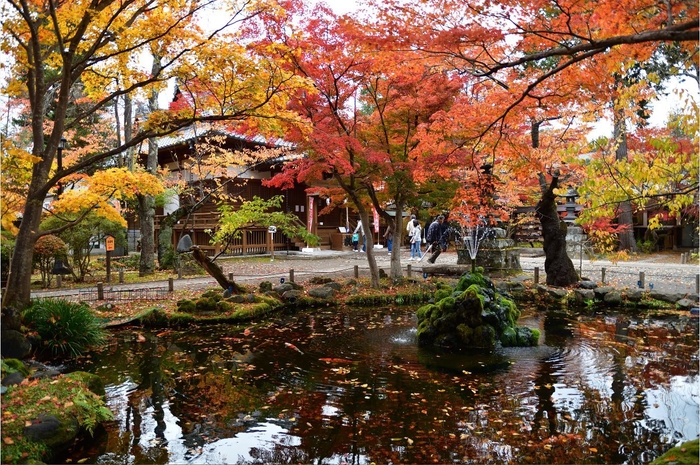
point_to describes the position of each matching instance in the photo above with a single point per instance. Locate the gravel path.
(659, 273)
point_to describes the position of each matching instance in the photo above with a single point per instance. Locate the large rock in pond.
(52, 431)
(14, 344)
(472, 315)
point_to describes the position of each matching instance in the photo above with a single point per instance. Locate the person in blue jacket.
(438, 232)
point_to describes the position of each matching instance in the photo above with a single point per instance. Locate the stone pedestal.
(575, 237)
(498, 256)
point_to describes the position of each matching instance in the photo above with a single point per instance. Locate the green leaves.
(261, 213)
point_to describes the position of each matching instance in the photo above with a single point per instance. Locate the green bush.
(65, 328)
(646, 246)
(48, 249)
(129, 262)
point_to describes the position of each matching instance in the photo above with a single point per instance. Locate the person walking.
(437, 237)
(389, 237)
(360, 230)
(409, 229)
(416, 235)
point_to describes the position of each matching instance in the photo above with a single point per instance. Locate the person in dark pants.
(437, 236)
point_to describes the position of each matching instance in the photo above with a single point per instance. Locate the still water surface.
(352, 387)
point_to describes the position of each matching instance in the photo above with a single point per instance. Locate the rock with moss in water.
(472, 315)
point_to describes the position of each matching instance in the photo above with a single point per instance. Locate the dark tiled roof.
(186, 134)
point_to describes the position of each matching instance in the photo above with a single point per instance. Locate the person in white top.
(409, 228)
(415, 240)
(361, 231)
(409, 225)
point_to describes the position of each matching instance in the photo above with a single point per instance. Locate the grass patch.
(65, 328)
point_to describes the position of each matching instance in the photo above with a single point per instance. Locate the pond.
(352, 387)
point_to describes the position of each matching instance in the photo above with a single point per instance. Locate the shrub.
(646, 246)
(46, 250)
(129, 262)
(65, 328)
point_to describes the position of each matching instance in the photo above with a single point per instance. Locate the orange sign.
(109, 243)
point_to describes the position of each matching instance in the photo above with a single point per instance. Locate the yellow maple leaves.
(104, 189)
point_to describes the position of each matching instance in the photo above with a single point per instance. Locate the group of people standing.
(435, 237)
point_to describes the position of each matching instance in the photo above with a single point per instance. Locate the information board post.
(272, 230)
(109, 247)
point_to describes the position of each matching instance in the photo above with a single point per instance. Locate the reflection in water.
(359, 390)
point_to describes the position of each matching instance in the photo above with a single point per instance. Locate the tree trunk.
(147, 208)
(147, 213)
(128, 131)
(165, 236)
(624, 217)
(396, 270)
(19, 281)
(558, 266)
(214, 270)
(371, 260)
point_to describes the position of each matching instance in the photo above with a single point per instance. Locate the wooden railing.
(254, 241)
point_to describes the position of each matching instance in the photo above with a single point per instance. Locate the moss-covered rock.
(472, 315)
(156, 318)
(12, 365)
(684, 454)
(186, 306)
(205, 304)
(224, 306)
(509, 338)
(93, 382)
(447, 304)
(441, 294)
(214, 295)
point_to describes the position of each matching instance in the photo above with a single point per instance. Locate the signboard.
(272, 229)
(376, 220)
(109, 243)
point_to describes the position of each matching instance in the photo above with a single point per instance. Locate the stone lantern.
(570, 206)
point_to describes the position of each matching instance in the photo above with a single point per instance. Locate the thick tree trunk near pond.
(165, 235)
(558, 266)
(215, 271)
(625, 217)
(147, 213)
